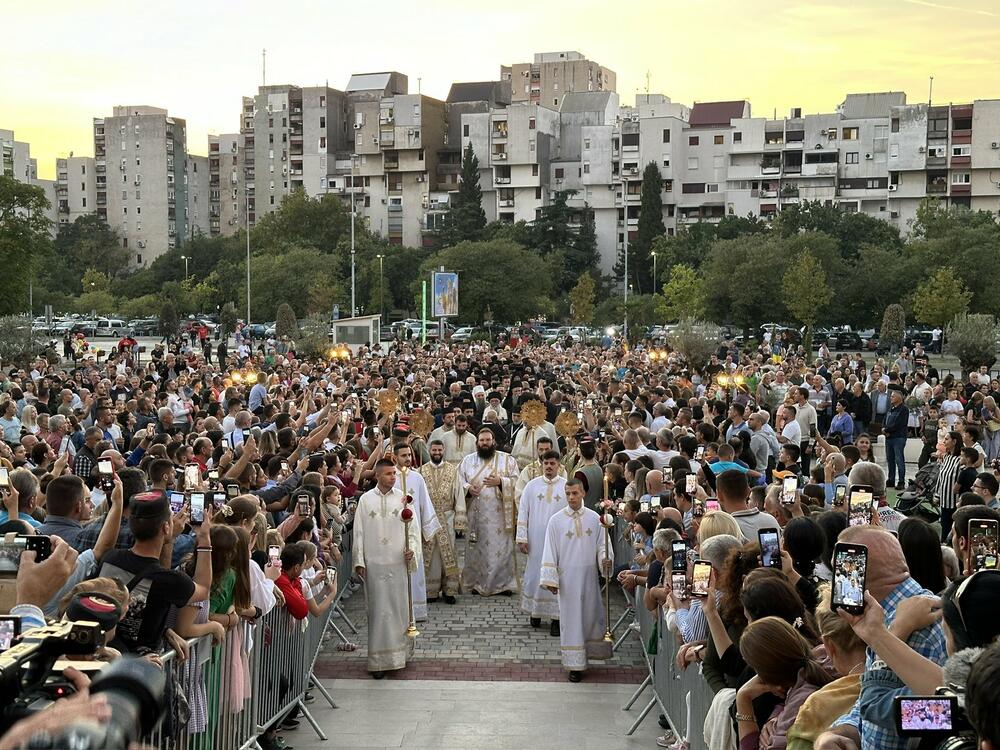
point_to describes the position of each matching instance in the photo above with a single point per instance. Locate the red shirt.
(295, 602)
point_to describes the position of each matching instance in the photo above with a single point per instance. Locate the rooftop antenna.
(930, 92)
(263, 67)
(419, 80)
(647, 83)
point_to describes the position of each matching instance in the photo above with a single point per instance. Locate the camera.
(135, 688)
(938, 720)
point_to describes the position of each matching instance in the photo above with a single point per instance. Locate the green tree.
(465, 220)
(940, 298)
(18, 342)
(285, 321)
(323, 294)
(642, 313)
(24, 240)
(583, 253)
(650, 227)
(683, 296)
(851, 230)
(228, 319)
(743, 280)
(582, 300)
(972, 338)
(287, 276)
(301, 221)
(893, 327)
(90, 243)
(695, 340)
(169, 324)
(314, 337)
(504, 276)
(805, 292)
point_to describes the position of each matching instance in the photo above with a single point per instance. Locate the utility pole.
(625, 241)
(263, 67)
(354, 309)
(248, 255)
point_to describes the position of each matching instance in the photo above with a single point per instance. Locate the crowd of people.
(192, 496)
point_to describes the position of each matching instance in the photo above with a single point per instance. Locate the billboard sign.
(445, 290)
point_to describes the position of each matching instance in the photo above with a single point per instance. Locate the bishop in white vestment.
(486, 481)
(542, 498)
(380, 558)
(410, 482)
(576, 549)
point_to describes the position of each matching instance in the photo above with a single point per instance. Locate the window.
(272, 200)
(322, 141)
(894, 124)
(124, 195)
(712, 187)
(737, 137)
(137, 196)
(666, 135)
(719, 161)
(531, 145)
(138, 163)
(720, 140)
(84, 202)
(138, 209)
(555, 102)
(465, 131)
(692, 162)
(893, 150)
(851, 157)
(534, 170)
(586, 144)
(586, 167)
(850, 134)
(560, 173)
(322, 122)
(666, 163)
(881, 131)
(83, 169)
(322, 100)
(693, 140)
(538, 193)
(124, 210)
(965, 150)
(270, 122)
(123, 145)
(531, 123)
(555, 86)
(961, 178)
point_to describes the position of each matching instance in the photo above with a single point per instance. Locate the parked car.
(915, 335)
(144, 326)
(848, 341)
(114, 327)
(462, 334)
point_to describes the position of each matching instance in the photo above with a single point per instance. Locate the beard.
(486, 453)
(436, 460)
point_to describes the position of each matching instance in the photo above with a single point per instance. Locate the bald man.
(888, 580)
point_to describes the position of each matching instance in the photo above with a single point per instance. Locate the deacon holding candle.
(383, 553)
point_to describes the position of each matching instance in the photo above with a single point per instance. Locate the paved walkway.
(481, 638)
(430, 715)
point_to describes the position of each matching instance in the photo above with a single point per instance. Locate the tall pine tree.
(650, 227)
(465, 219)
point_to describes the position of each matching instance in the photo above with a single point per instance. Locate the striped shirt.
(944, 493)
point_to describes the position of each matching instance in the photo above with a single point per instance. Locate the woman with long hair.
(786, 668)
(922, 550)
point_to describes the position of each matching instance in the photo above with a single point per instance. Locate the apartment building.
(76, 188)
(950, 152)
(198, 208)
(141, 161)
(289, 134)
(552, 75)
(16, 161)
(227, 196)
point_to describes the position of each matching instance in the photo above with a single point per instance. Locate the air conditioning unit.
(138, 180)
(818, 146)
(921, 150)
(894, 214)
(384, 201)
(938, 151)
(995, 145)
(421, 178)
(893, 188)
(141, 243)
(824, 131)
(232, 222)
(831, 134)
(374, 141)
(868, 157)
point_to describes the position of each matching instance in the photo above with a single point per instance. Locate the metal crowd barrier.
(683, 697)
(226, 696)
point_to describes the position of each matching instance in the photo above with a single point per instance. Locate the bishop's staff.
(407, 515)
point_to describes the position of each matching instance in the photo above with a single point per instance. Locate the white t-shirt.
(951, 409)
(792, 432)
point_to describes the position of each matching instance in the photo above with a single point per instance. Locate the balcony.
(937, 187)
(506, 203)
(499, 156)
(501, 180)
(295, 172)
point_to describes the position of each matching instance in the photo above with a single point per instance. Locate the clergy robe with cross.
(410, 482)
(379, 544)
(575, 548)
(540, 500)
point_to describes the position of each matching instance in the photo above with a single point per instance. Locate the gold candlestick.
(411, 630)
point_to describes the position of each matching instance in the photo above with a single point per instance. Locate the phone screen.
(770, 548)
(218, 499)
(678, 556)
(284, 466)
(712, 504)
(4, 478)
(839, 494)
(274, 555)
(690, 484)
(213, 474)
(105, 467)
(654, 501)
(983, 543)
(192, 476)
(860, 504)
(303, 506)
(644, 507)
(678, 584)
(232, 490)
(176, 502)
(850, 567)
(789, 486)
(700, 578)
(699, 453)
(246, 436)
(926, 714)
(331, 575)
(197, 508)
(10, 629)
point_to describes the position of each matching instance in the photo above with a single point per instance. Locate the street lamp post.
(653, 253)
(248, 255)
(185, 258)
(354, 205)
(381, 304)
(625, 244)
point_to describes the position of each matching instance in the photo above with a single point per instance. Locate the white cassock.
(379, 545)
(489, 561)
(410, 482)
(540, 500)
(457, 447)
(525, 448)
(529, 472)
(575, 547)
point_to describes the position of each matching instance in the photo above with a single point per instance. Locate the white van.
(110, 327)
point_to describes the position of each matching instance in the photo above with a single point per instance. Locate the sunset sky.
(63, 63)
